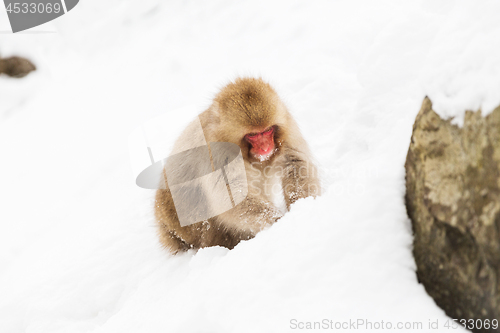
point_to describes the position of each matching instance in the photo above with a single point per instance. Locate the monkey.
(278, 165)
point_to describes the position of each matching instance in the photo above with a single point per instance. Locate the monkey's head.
(251, 114)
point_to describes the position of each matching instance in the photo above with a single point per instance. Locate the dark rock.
(16, 67)
(453, 201)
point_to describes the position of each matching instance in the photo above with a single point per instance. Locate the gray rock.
(453, 201)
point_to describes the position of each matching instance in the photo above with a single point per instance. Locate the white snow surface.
(78, 249)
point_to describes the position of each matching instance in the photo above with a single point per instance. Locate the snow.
(78, 250)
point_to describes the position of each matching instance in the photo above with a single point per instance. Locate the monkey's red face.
(262, 143)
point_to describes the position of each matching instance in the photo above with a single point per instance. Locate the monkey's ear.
(215, 108)
(211, 116)
(215, 112)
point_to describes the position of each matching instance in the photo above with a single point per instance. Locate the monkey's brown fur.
(245, 106)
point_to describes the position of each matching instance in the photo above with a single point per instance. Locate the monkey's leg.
(171, 241)
(172, 235)
(198, 235)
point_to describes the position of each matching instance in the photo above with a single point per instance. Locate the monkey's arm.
(300, 178)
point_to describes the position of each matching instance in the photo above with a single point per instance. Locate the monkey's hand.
(250, 216)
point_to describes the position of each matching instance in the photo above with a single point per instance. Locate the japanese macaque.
(277, 161)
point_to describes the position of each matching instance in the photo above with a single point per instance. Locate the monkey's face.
(261, 143)
(250, 113)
